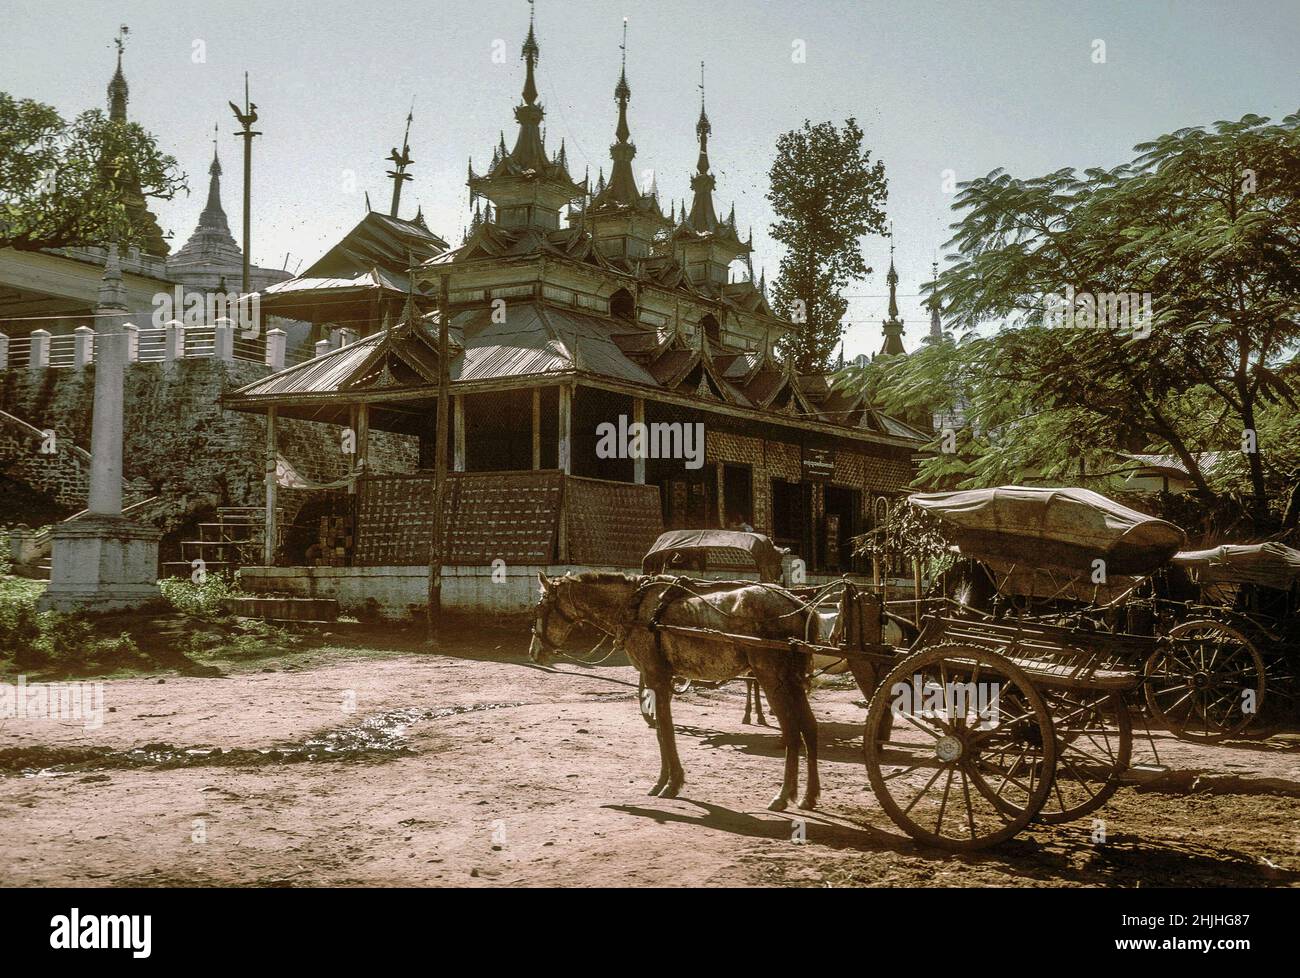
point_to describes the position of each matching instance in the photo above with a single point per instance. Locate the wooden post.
(638, 463)
(565, 435)
(363, 437)
(434, 611)
(537, 427)
(458, 432)
(722, 498)
(352, 455)
(269, 530)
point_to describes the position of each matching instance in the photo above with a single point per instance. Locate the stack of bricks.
(335, 541)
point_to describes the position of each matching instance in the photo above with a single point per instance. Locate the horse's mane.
(600, 577)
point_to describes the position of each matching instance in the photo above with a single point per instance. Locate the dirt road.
(375, 768)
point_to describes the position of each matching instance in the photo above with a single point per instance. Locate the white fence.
(172, 341)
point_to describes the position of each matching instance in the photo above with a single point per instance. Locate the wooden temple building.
(568, 308)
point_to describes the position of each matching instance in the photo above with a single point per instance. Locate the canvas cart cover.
(1058, 530)
(764, 554)
(1267, 564)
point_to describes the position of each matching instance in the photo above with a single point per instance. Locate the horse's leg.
(808, 731)
(772, 682)
(758, 703)
(750, 686)
(671, 774)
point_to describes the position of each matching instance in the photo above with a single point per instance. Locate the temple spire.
(117, 88)
(530, 151)
(703, 217)
(936, 324)
(893, 326)
(214, 215)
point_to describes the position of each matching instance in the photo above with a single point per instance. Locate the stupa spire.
(117, 87)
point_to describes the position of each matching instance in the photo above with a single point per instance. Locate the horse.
(632, 608)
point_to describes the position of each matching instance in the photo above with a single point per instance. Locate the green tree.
(827, 194)
(1206, 221)
(76, 184)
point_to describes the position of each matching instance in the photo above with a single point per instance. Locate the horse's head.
(551, 623)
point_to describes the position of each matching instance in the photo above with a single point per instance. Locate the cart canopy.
(736, 547)
(1057, 530)
(1266, 564)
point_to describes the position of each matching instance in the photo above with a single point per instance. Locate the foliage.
(826, 194)
(68, 184)
(912, 534)
(1205, 220)
(35, 639)
(6, 558)
(202, 599)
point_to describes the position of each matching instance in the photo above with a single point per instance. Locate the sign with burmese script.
(818, 464)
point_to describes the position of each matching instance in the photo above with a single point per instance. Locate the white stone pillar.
(132, 343)
(223, 339)
(103, 562)
(4, 352)
(322, 347)
(83, 346)
(275, 348)
(107, 426)
(347, 336)
(173, 340)
(40, 350)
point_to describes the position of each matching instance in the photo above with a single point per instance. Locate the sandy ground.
(477, 768)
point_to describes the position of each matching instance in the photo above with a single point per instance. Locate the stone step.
(283, 609)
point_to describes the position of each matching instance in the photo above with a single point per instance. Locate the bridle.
(548, 604)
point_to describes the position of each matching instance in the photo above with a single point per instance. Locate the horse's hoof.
(808, 803)
(670, 791)
(778, 804)
(654, 792)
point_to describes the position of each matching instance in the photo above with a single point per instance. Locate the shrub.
(200, 599)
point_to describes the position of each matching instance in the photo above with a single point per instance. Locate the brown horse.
(629, 608)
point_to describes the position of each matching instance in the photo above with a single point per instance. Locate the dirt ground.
(378, 764)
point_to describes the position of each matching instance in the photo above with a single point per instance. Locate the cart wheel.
(1207, 683)
(979, 721)
(1094, 743)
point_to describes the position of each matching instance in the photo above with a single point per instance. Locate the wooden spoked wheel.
(1207, 682)
(1094, 744)
(963, 717)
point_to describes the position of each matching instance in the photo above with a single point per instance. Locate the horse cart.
(1239, 629)
(989, 720)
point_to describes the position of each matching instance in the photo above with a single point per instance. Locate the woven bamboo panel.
(611, 523)
(394, 520)
(513, 516)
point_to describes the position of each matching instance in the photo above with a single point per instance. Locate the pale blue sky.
(964, 86)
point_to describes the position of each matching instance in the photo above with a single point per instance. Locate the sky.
(944, 91)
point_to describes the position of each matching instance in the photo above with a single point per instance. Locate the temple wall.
(180, 443)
